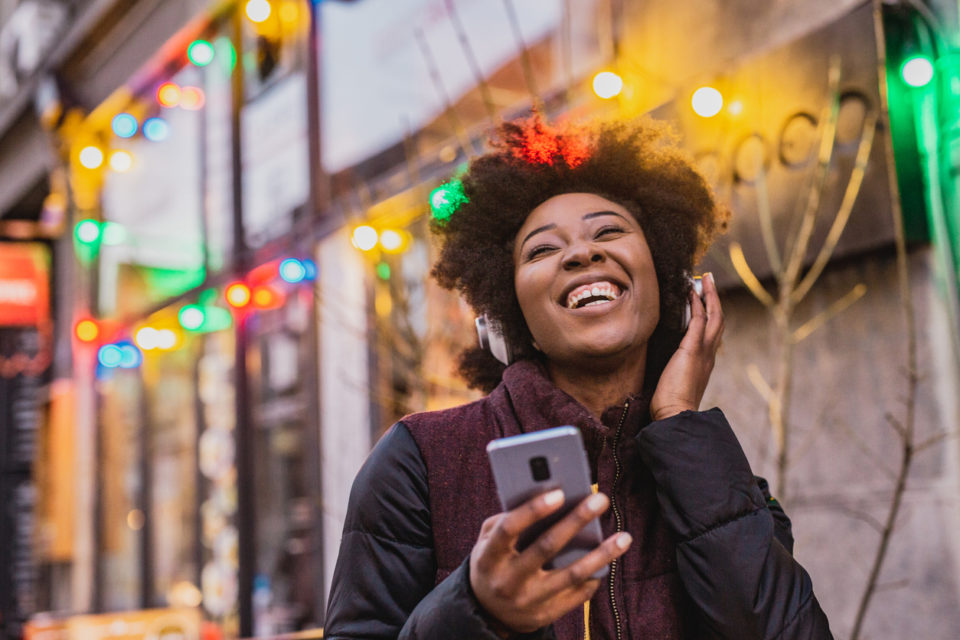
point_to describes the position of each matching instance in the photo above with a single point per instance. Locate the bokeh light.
(192, 98)
(168, 94)
(258, 10)
(87, 231)
(238, 295)
(87, 331)
(124, 125)
(156, 129)
(365, 237)
(121, 161)
(292, 271)
(917, 71)
(607, 84)
(200, 53)
(707, 102)
(191, 317)
(91, 157)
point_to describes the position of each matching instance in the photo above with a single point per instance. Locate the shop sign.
(148, 624)
(24, 284)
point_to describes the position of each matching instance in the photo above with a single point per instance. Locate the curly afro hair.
(637, 165)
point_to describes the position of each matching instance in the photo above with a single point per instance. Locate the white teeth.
(606, 290)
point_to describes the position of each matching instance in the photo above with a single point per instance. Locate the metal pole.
(246, 516)
(319, 208)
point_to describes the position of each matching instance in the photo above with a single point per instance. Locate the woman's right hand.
(513, 587)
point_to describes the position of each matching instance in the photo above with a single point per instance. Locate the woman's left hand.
(685, 377)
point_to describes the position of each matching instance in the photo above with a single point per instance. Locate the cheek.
(532, 296)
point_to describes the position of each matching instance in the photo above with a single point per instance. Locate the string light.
(364, 237)
(87, 331)
(392, 240)
(192, 98)
(292, 271)
(446, 199)
(87, 231)
(91, 157)
(156, 129)
(607, 84)
(168, 95)
(238, 295)
(258, 10)
(917, 71)
(200, 53)
(121, 161)
(124, 125)
(707, 102)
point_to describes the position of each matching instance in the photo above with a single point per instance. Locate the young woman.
(577, 244)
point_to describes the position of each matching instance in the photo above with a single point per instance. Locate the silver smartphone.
(530, 464)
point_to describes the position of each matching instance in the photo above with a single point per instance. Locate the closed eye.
(539, 250)
(605, 231)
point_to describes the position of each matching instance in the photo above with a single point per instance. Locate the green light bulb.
(446, 199)
(87, 231)
(917, 71)
(200, 53)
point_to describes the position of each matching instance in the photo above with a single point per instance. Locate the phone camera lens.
(540, 468)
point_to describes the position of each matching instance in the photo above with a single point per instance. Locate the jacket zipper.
(617, 516)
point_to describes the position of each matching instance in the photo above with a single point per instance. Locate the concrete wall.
(847, 376)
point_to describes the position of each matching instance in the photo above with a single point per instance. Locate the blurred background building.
(214, 291)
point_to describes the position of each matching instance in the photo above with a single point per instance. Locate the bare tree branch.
(846, 208)
(766, 221)
(797, 251)
(934, 439)
(808, 327)
(746, 275)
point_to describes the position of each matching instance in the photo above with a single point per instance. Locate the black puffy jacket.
(733, 542)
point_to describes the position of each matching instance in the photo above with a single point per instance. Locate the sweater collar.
(540, 404)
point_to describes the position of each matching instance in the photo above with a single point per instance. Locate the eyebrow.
(548, 227)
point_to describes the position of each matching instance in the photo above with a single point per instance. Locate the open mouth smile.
(592, 294)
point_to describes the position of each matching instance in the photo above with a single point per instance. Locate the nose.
(580, 254)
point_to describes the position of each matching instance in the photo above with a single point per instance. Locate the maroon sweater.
(643, 596)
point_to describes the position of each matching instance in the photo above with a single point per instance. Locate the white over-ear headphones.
(491, 338)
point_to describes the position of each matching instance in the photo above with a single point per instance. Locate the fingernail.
(710, 275)
(596, 502)
(553, 498)
(624, 540)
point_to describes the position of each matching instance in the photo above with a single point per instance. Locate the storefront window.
(286, 582)
(122, 490)
(170, 379)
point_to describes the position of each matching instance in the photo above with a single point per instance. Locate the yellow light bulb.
(365, 237)
(392, 241)
(707, 102)
(121, 161)
(91, 157)
(607, 84)
(258, 10)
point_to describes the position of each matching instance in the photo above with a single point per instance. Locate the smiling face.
(585, 281)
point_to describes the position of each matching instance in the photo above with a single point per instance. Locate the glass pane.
(121, 490)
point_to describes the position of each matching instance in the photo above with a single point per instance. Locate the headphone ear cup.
(490, 337)
(697, 285)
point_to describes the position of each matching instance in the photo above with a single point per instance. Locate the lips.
(592, 293)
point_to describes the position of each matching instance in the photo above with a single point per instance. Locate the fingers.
(506, 528)
(713, 330)
(554, 539)
(582, 571)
